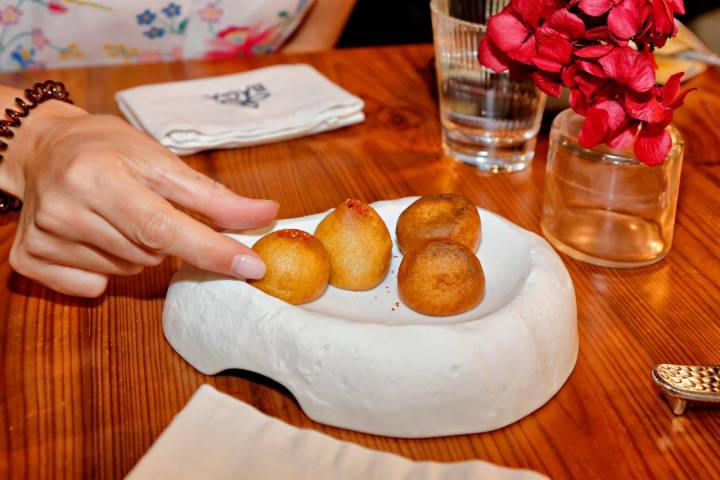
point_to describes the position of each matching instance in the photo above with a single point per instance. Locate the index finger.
(190, 189)
(152, 222)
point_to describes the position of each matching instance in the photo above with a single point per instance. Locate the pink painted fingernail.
(248, 266)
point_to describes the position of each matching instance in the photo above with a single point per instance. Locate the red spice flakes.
(293, 233)
(357, 206)
(397, 304)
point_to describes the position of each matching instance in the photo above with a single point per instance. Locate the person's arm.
(12, 178)
(322, 27)
(98, 200)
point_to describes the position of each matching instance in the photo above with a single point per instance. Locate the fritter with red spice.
(298, 266)
(358, 243)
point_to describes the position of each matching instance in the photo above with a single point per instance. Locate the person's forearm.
(22, 144)
(322, 27)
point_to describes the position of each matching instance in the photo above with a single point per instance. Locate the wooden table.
(87, 386)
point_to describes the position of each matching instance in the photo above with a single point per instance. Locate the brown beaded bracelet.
(41, 92)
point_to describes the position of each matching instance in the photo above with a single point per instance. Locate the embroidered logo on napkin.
(249, 96)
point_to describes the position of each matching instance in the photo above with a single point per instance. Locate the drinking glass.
(488, 119)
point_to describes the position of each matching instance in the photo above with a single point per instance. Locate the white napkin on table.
(218, 437)
(250, 108)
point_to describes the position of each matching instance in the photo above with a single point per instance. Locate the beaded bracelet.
(41, 92)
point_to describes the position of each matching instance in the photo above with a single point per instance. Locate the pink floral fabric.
(66, 33)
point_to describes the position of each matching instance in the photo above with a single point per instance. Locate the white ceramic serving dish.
(365, 361)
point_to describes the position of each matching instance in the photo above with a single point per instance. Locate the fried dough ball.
(441, 277)
(298, 266)
(358, 243)
(443, 215)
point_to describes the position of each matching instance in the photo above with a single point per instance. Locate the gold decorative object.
(686, 383)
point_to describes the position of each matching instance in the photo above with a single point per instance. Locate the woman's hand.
(97, 202)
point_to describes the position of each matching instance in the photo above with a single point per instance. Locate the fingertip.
(275, 207)
(271, 208)
(261, 205)
(248, 265)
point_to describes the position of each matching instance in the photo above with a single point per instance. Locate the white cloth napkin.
(218, 437)
(259, 106)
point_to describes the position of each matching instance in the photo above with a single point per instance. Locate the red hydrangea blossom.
(601, 50)
(56, 7)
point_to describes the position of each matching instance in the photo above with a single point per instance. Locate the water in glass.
(488, 119)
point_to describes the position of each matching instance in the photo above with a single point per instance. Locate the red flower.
(630, 68)
(661, 22)
(616, 122)
(554, 37)
(532, 32)
(608, 122)
(625, 18)
(584, 45)
(235, 42)
(653, 142)
(56, 7)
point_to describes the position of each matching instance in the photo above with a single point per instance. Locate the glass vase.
(602, 205)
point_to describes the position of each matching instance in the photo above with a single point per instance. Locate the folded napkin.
(218, 437)
(259, 106)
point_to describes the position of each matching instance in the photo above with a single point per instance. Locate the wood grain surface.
(87, 386)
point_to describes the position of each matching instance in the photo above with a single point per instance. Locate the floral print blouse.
(65, 33)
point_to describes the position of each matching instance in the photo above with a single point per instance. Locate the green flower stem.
(15, 38)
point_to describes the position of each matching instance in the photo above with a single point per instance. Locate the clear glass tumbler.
(603, 206)
(488, 120)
